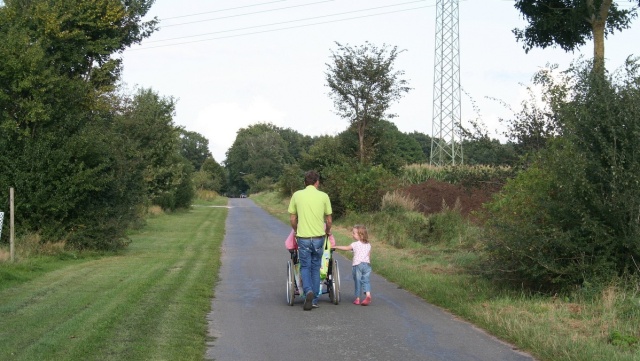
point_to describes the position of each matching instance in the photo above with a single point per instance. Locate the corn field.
(461, 174)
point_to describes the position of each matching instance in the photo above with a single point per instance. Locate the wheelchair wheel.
(291, 283)
(335, 284)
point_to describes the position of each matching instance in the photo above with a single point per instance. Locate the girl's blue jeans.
(361, 273)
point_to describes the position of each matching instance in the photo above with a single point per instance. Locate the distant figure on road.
(361, 269)
(310, 217)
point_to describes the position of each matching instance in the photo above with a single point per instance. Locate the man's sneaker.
(307, 301)
(366, 301)
(315, 305)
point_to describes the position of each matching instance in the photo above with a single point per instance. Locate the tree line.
(87, 159)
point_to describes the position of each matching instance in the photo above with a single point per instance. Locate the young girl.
(361, 263)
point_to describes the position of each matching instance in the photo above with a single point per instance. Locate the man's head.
(311, 177)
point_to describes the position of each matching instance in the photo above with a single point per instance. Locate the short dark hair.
(311, 177)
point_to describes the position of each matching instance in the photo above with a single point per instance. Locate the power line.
(279, 29)
(252, 13)
(285, 22)
(221, 10)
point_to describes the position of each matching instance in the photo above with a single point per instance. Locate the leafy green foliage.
(397, 228)
(84, 162)
(569, 23)
(385, 145)
(623, 340)
(195, 148)
(148, 121)
(424, 141)
(291, 180)
(324, 152)
(488, 151)
(211, 176)
(574, 215)
(566, 23)
(356, 187)
(261, 151)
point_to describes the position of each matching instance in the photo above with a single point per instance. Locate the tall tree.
(195, 147)
(148, 121)
(424, 141)
(258, 151)
(570, 23)
(211, 176)
(77, 178)
(364, 84)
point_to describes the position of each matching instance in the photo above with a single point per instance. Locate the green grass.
(146, 303)
(602, 325)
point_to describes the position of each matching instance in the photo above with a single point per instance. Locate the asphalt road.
(250, 319)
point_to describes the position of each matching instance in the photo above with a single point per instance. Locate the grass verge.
(598, 324)
(146, 303)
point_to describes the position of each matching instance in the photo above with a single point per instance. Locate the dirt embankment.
(432, 193)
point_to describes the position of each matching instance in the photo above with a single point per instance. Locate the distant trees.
(385, 144)
(211, 176)
(259, 154)
(194, 147)
(363, 86)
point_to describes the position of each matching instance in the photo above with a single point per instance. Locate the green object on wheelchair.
(326, 256)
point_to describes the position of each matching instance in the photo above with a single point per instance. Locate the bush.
(448, 226)
(291, 180)
(396, 228)
(574, 215)
(356, 188)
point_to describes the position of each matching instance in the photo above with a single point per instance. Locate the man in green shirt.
(310, 217)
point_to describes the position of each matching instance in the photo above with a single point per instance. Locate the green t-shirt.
(311, 206)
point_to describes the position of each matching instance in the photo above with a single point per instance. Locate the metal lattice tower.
(446, 142)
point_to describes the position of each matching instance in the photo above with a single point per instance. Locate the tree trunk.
(598, 22)
(361, 128)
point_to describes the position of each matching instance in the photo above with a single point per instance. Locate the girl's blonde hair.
(362, 233)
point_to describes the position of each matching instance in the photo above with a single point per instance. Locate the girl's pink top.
(361, 252)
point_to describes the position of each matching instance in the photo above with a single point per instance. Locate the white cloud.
(219, 122)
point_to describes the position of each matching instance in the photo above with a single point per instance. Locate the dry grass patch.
(155, 211)
(206, 195)
(400, 201)
(32, 245)
(5, 255)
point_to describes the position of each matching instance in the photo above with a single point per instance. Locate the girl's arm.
(344, 248)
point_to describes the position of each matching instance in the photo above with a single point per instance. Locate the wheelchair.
(329, 285)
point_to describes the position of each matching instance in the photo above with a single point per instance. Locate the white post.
(12, 232)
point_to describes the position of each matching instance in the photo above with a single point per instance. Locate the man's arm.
(327, 224)
(293, 219)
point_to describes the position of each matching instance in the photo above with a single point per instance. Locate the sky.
(233, 63)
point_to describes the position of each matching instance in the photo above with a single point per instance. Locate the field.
(148, 302)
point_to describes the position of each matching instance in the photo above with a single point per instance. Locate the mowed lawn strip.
(148, 303)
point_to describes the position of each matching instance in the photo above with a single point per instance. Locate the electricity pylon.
(446, 142)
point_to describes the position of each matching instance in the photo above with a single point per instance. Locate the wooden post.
(12, 232)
